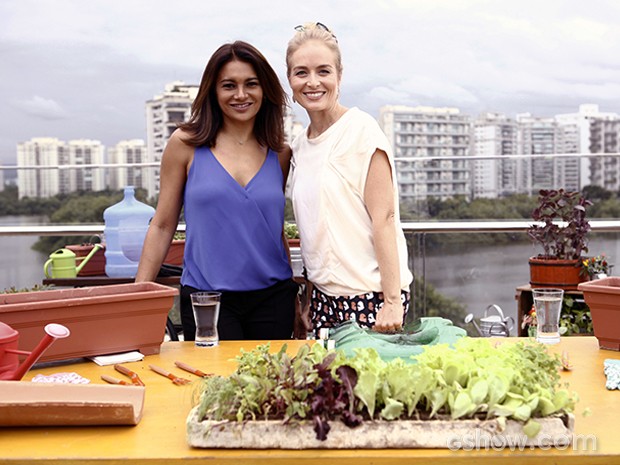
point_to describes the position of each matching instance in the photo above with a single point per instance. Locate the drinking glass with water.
(206, 307)
(548, 304)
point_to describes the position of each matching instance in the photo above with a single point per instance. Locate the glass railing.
(474, 264)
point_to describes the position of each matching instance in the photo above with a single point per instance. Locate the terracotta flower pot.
(175, 253)
(562, 274)
(603, 298)
(96, 265)
(102, 319)
(293, 242)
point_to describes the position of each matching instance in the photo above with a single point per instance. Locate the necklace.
(240, 141)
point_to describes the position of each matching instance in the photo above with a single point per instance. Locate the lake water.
(21, 266)
(480, 276)
(474, 276)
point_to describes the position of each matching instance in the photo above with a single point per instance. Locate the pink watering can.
(10, 369)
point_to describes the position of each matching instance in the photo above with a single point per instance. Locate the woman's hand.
(389, 318)
(302, 320)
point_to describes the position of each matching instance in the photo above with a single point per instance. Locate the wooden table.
(160, 436)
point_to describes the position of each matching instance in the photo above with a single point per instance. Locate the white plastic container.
(125, 228)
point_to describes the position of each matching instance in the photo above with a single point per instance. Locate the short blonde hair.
(313, 31)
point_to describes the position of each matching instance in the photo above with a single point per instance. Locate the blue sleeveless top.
(233, 233)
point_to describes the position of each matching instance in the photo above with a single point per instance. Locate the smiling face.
(238, 90)
(314, 77)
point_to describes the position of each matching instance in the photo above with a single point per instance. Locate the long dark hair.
(206, 118)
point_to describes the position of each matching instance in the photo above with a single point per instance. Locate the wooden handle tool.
(135, 379)
(175, 379)
(112, 380)
(191, 369)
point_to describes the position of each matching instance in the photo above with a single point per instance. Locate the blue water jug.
(125, 228)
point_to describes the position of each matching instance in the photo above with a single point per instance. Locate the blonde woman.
(345, 197)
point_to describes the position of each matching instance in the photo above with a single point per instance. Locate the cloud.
(42, 108)
(91, 66)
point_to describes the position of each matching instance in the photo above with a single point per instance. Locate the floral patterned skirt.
(328, 311)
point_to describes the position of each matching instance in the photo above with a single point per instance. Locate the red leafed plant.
(562, 227)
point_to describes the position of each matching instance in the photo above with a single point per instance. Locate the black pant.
(267, 314)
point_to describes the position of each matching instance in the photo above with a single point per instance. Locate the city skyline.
(77, 70)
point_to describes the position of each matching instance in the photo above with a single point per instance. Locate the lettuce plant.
(472, 379)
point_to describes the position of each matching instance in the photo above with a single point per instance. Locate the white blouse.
(329, 177)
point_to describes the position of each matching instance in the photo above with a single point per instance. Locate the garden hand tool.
(135, 379)
(175, 379)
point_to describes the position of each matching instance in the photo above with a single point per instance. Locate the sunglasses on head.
(321, 26)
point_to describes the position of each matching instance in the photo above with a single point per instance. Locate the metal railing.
(414, 227)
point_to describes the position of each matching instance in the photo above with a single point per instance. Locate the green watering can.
(64, 263)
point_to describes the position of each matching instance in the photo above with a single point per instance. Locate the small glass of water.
(548, 304)
(206, 307)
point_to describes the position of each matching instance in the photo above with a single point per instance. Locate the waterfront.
(21, 267)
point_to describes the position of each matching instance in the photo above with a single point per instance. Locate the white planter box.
(436, 434)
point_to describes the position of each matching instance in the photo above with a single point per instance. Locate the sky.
(76, 69)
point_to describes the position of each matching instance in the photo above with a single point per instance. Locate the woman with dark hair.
(227, 166)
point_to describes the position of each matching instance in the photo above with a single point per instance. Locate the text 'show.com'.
(479, 440)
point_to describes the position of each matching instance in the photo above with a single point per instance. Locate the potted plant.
(561, 229)
(575, 319)
(292, 234)
(596, 267)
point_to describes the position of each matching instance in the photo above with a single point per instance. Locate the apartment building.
(50, 166)
(163, 113)
(84, 152)
(605, 138)
(544, 136)
(39, 152)
(577, 139)
(125, 154)
(426, 141)
(494, 135)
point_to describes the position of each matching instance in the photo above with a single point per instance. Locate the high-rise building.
(605, 138)
(84, 152)
(51, 166)
(36, 181)
(577, 137)
(128, 152)
(494, 135)
(544, 136)
(163, 113)
(435, 134)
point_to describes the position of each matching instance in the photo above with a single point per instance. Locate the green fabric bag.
(349, 336)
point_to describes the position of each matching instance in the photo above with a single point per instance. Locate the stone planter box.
(603, 299)
(401, 434)
(102, 319)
